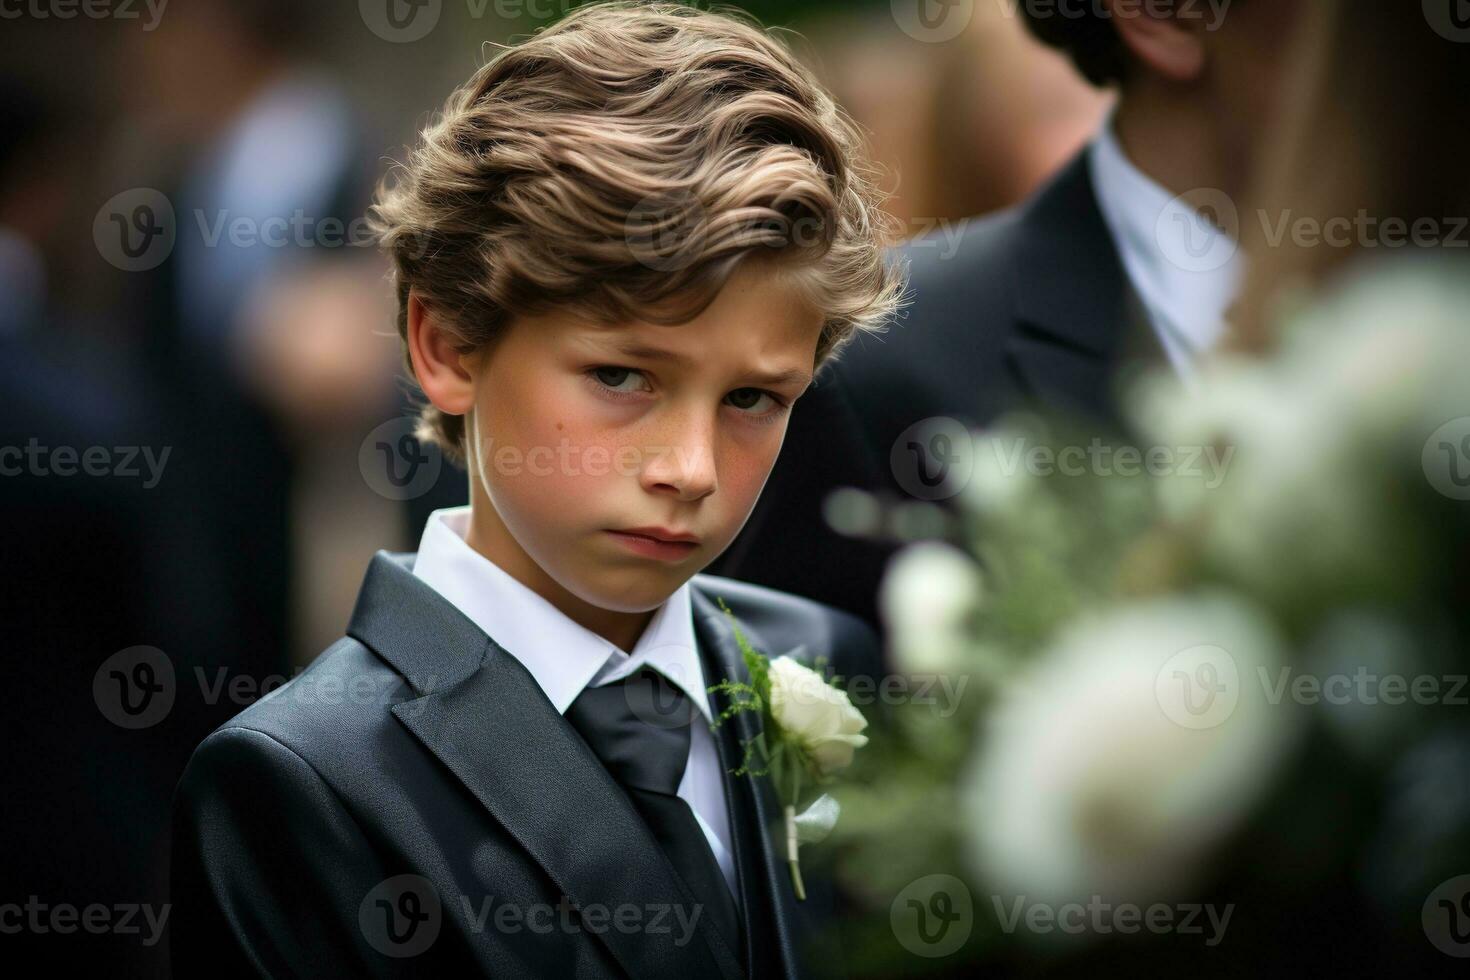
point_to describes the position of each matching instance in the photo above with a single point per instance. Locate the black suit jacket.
(1031, 309)
(416, 746)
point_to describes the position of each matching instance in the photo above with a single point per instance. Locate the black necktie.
(640, 729)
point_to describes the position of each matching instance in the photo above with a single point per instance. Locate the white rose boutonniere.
(816, 714)
(809, 732)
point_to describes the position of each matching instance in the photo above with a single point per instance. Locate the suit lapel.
(482, 714)
(1078, 320)
(755, 911)
(767, 898)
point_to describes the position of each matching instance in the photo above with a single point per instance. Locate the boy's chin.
(633, 590)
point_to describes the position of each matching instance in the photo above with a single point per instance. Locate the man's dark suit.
(1033, 309)
(417, 746)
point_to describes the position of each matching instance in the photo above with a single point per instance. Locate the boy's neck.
(488, 535)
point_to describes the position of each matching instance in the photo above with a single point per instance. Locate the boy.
(620, 256)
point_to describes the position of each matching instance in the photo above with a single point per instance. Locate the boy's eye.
(615, 380)
(616, 377)
(747, 400)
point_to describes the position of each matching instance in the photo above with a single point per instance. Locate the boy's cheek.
(742, 479)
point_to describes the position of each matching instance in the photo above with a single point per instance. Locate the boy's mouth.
(657, 542)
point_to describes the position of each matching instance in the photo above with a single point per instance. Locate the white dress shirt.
(565, 658)
(1185, 270)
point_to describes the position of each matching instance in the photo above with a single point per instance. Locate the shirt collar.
(1185, 271)
(563, 656)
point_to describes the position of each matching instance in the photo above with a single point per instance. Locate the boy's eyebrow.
(635, 349)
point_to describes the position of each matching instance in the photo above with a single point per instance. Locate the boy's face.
(578, 435)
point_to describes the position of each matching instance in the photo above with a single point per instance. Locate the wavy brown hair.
(620, 164)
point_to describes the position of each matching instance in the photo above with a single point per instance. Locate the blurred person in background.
(257, 314)
(1052, 304)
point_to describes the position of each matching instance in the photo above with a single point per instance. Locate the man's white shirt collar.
(1185, 271)
(563, 656)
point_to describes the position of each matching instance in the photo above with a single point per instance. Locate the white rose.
(1100, 773)
(928, 595)
(816, 715)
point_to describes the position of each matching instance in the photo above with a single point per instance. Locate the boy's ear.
(438, 366)
(1166, 44)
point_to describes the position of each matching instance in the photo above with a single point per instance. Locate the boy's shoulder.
(339, 700)
(349, 689)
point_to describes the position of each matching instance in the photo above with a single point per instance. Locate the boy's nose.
(684, 461)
